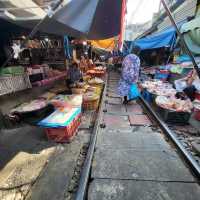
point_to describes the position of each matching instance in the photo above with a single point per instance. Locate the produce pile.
(31, 106)
(97, 71)
(174, 104)
(79, 87)
(90, 90)
(96, 81)
(159, 88)
(67, 101)
(89, 85)
(166, 96)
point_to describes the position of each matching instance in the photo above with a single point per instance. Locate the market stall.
(165, 88)
(59, 113)
(171, 107)
(36, 62)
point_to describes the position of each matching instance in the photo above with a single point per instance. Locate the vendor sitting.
(189, 85)
(89, 62)
(85, 63)
(74, 74)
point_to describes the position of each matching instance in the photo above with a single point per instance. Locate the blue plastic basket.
(161, 76)
(147, 96)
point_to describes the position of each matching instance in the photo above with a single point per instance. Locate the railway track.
(133, 154)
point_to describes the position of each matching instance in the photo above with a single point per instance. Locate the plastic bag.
(180, 85)
(134, 92)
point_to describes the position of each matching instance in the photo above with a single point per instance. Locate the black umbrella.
(87, 19)
(91, 19)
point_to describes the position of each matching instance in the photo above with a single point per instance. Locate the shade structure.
(89, 19)
(107, 44)
(162, 39)
(191, 34)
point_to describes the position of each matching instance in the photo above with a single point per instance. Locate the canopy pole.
(181, 36)
(34, 31)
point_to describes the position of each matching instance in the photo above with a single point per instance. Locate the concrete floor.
(24, 153)
(31, 167)
(133, 160)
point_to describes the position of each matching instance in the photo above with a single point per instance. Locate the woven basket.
(78, 90)
(97, 85)
(98, 90)
(91, 104)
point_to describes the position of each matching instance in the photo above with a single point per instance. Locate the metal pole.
(181, 37)
(34, 31)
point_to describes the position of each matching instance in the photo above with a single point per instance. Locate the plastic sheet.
(60, 118)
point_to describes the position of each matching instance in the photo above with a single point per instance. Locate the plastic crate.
(197, 96)
(64, 134)
(174, 117)
(197, 115)
(149, 97)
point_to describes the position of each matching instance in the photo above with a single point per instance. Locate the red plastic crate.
(64, 134)
(162, 71)
(197, 115)
(197, 95)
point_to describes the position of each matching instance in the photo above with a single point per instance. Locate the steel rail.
(85, 174)
(187, 156)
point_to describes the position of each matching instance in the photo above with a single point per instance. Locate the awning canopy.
(191, 34)
(191, 25)
(94, 20)
(107, 45)
(18, 10)
(91, 19)
(162, 39)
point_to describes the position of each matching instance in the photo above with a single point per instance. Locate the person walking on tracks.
(130, 73)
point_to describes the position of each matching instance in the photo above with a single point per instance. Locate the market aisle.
(133, 161)
(33, 167)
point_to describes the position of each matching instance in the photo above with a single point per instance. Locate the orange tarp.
(108, 44)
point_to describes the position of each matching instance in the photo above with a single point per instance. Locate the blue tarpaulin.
(162, 39)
